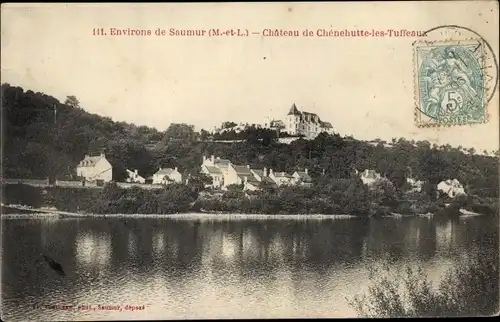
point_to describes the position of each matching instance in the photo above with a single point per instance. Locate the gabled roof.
(133, 172)
(370, 174)
(454, 183)
(294, 110)
(213, 170)
(282, 175)
(250, 178)
(258, 172)
(269, 180)
(313, 117)
(224, 163)
(242, 170)
(277, 123)
(327, 125)
(89, 161)
(304, 176)
(165, 171)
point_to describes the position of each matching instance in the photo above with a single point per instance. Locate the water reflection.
(93, 249)
(210, 269)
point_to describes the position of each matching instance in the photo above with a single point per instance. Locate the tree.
(228, 125)
(204, 135)
(199, 181)
(72, 101)
(181, 133)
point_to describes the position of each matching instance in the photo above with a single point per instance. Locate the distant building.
(133, 176)
(261, 176)
(452, 188)
(415, 185)
(222, 164)
(95, 168)
(225, 173)
(302, 178)
(215, 173)
(305, 123)
(239, 175)
(167, 176)
(276, 125)
(370, 177)
(300, 123)
(281, 178)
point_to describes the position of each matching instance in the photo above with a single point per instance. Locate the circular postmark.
(456, 74)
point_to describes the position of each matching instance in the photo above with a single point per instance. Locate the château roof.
(327, 125)
(294, 110)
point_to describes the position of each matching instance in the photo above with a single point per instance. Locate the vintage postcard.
(249, 160)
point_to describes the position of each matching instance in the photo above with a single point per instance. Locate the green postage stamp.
(449, 83)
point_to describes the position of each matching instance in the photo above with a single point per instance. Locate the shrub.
(471, 289)
(22, 194)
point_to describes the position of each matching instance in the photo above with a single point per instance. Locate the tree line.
(39, 142)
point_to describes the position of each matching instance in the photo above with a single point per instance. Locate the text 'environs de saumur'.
(268, 32)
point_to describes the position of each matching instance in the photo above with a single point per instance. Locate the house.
(281, 178)
(452, 188)
(262, 176)
(370, 177)
(276, 125)
(95, 169)
(167, 175)
(222, 164)
(133, 176)
(224, 173)
(415, 185)
(305, 123)
(238, 174)
(215, 173)
(302, 178)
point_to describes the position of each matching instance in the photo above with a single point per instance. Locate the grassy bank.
(348, 198)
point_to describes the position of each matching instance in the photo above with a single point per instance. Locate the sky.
(364, 86)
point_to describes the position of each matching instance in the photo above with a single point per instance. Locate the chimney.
(136, 172)
(305, 170)
(270, 172)
(212, 158)
(245, 179)
(175, 168)
(102, 155)
(204, 159)
(265, 171)
(248, 166)
(159, 168)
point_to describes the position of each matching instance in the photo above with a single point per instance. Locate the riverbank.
(44, 213)
(178, 200)
(29, 212)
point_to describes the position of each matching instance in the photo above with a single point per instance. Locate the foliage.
(21, 194)
(35, 147)
(467, 290)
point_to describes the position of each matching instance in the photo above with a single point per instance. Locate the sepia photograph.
(171, 161)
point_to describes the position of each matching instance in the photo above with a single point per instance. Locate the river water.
(197, 269)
